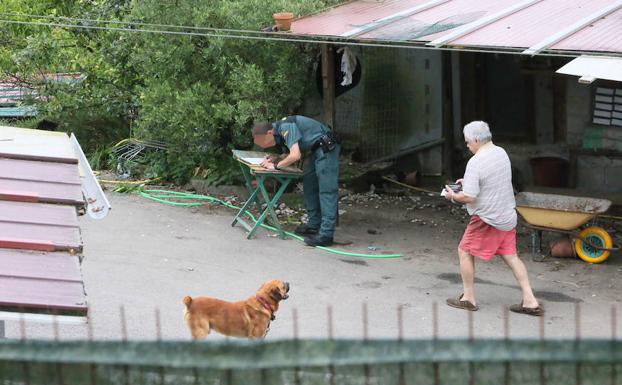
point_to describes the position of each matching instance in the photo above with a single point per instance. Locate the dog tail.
(187, 300)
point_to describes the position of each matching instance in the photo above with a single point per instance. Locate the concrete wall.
(594, 172)
(543, 107)
(399, 101)
(578, 107)
(543, 134)
(544, 146)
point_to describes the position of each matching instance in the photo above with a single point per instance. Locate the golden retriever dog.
(249, 318)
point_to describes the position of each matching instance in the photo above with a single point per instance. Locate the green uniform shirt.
(299, 129)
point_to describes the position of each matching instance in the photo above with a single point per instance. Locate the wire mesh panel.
(398, 103)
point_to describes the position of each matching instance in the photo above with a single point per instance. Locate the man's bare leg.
(467, 271)
(520, 273)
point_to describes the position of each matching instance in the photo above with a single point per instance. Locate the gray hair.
(477, 130)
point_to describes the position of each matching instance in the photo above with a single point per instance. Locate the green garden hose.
(166, 196)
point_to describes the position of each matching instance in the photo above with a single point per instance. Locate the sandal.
(534, 311)
(460, 304)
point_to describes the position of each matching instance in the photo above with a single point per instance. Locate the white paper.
(254, 161)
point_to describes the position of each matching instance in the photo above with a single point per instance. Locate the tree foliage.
(199, 94)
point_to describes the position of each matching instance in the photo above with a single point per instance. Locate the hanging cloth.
(348, 65)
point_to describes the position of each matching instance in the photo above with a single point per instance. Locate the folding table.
(249, 163)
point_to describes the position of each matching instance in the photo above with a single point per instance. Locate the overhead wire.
(132, 23)
(250, 34)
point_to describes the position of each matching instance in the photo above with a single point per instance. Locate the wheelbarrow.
(567, 214)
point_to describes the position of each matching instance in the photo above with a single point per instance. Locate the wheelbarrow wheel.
(598, 237)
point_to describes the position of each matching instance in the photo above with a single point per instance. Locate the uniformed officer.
(321, 169)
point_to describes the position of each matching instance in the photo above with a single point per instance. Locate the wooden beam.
(328, 83)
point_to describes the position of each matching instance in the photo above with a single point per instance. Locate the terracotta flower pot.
(283, 20)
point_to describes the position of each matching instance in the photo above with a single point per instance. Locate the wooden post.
(450, 78)
(328, 83)
(559, 109)
(2, 335)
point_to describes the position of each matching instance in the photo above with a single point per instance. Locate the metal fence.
(432, 360)
(302, 362)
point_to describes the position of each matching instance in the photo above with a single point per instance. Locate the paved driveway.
(145, 256)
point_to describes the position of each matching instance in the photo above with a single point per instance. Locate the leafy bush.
(199, 94)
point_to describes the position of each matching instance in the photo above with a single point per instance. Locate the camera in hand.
(455, 187)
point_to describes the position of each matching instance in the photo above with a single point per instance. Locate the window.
(608, 106)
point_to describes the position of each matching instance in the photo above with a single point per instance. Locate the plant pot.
(283, 20)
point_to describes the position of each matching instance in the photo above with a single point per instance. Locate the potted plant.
(283, 20)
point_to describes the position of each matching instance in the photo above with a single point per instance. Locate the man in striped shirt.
(489, 197)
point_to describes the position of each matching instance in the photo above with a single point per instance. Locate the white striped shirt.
(488, 179)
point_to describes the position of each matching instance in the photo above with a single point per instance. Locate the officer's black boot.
(306, 230)
(319, 240)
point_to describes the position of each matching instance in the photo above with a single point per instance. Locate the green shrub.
(198, 94)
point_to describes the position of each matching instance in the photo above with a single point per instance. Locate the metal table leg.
(271, 203)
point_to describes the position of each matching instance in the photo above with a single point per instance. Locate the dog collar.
(265, 304)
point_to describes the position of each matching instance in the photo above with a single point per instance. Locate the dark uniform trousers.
(321, 189)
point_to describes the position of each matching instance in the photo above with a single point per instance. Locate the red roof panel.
(33, 264)
(439, 20)
(35, 181)
(344, 18)
(516, 31)
(39, 237)
(38, 295)
(41, 282)
(533, 24)
(25, 191)
(38, 213)
(598, 36)
(39, 166)
(39, 171)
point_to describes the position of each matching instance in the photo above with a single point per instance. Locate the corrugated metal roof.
(38, 213)
(10, 112)
(38, 181)
(21, 143)
(442, 18)
(39, 166)
(536, 21)
(598, 39)
(14, 234)
(531, 25)
(13, 92)
(39, 171)
(41, 282)
(30, 191)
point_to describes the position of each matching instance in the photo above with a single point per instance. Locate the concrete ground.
(146, 256)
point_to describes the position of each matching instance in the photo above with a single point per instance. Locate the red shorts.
(484, 241)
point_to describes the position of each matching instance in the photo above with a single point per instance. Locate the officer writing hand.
(267, 164)
(269, 161)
